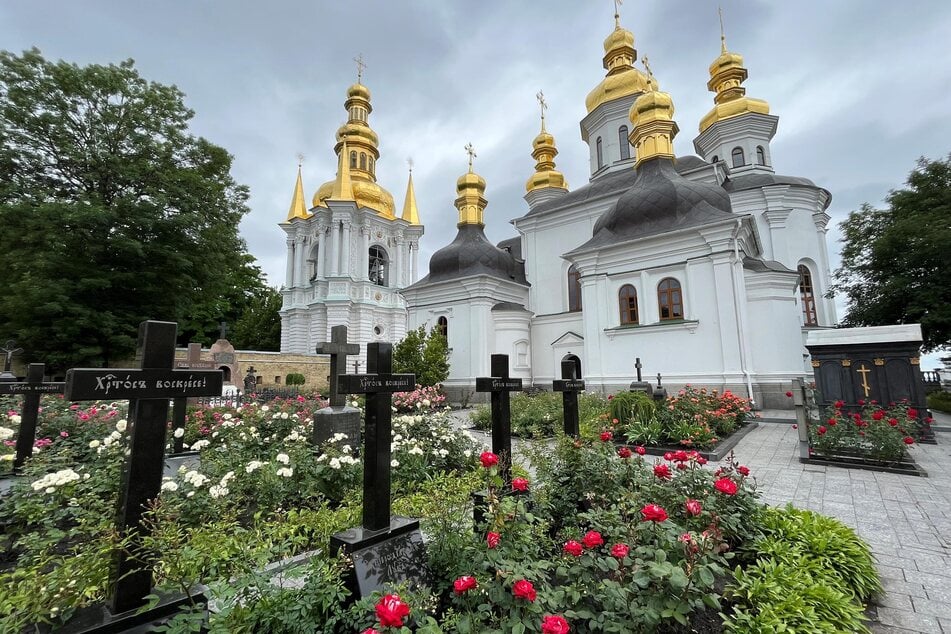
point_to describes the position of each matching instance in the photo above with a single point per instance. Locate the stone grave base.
(902, 467)
(390, 555)
(97, 619)
(724, 447)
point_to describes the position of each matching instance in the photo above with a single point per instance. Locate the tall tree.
(425, 355)
(111, 212)
(895, 261)
(259, 326)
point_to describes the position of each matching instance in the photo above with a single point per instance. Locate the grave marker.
(640, 385)
(148, 389)
(660, 392)
(337, 417)
(9, 349)
(569, 387)
(31, 391)
(499, 385)
(384, 549)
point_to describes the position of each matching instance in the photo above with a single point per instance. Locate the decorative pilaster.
(289, 272)
(334, 248)
(345, 267)
(321, 251)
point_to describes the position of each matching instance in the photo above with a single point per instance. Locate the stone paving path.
(905, 519)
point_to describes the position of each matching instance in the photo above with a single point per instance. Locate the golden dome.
(355, 131)
(654, 128)
(727, 75)
(545, 175)
(650, 106)
(365, 193)
(622, 78)
(617, 39)
(543, 139)
(470, 181)
(358, 91)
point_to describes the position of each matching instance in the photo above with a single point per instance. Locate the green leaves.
(425, 355)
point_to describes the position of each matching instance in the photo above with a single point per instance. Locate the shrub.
(294, 378)
(940, 401)
(425, 355)
(874, 433)
(628, 407)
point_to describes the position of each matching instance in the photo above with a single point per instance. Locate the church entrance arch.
(576, 361)
(226, 373)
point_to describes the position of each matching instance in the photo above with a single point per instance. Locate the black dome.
(471, 253)
(660, 200)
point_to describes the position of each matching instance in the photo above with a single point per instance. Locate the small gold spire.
(343, 187)
(410, 212)
(654, 128)
(298, 206)
(471, 203)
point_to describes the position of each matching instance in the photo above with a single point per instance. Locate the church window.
(600, 154)
(378, 266)
(808, 297)
(442, 326)
(627, 303)
(738, 158)
(624, 142)
(760, 155)
(353, 160)
(363, 160)
(670, 299)
(370, 163)
(574, 289)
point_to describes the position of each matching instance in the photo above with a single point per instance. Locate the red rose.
(912, 412)
(640, 450)
(523, 589)
(624, 452)
(743, 471)
(701, 460)
(653, 513)
(489, 459)
(606, 436)
(370, 630)
(861, 401)
(822, 429)
(620, 550)
(693, 507)
(554, 624)
(492, 539)
(726, 486)
(839, 404)
(592, 539)
(878, 415)
(893, 422)
(391, 610)
(669, 456)
(789, 394)
(680, 455)
(519, 484)
(909, 440)
(662, 471)
(573, 547)
(795, 426)
(464, 583)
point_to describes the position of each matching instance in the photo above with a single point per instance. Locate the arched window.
(353, 160)
(624, 142)
(670, 299)
(760, 155)
(574, 289)
(627, 303)
(808, 297)
(370, 163)
(600, 154)
(442, 326)
(738, 159)
(363, 160)
(377, 267)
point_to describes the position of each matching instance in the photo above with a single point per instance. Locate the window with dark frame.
(624, 142)
(670, 299)
(627, 304)
(442, 326)
(574, 289)
(377, 268)
(738, 159)
(809, 315)
(600, 154)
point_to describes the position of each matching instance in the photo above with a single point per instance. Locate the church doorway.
(576, 361)
(225, 373)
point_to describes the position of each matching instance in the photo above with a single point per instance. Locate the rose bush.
(874, 432)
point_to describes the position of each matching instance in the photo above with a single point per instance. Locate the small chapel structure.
(711, 267)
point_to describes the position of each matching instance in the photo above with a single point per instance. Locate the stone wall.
(272, 368)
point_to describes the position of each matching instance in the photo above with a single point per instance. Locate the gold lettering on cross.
(864, 371)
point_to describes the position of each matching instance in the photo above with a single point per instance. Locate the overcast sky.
(862, 88)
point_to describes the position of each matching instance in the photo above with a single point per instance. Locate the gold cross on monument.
(360, 66)
(864, 371)
(544, 106)
(471, 152)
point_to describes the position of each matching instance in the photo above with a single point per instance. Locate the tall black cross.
(658, 379)
(569, 387)
(148, 388)
(31, 391)
(638, 366)
(378, 385)
(338, 349)
(499, 384)
(9, 349)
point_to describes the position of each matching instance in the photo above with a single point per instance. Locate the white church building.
(710, 268)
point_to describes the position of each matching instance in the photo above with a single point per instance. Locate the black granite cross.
(338, 349)
(658, 379)
(499, 385)
(378, 385)
(31, 391)
(569, 387)
(638, 366)
(148, 389)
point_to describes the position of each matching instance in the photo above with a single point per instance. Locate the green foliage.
(940, 401)
(426, 356)
(259, 326)
(294, 378)
(112, 213)
(627, 407)
(541, 415)
(894, 261)
(873, 434)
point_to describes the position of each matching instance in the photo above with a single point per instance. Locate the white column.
(299, 260)
(365, 256)
(321, 251)
(414, 247)
(398, 277)
(289, 273)
(345, 265)
(334, 247)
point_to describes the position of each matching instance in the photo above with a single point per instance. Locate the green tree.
(259, 326)
(111, 212)
(426, 356)
(895, 261)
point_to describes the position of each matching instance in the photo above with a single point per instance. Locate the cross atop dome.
(472, 154)
(361, 66)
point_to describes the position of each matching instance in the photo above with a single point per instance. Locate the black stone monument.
(640, 385)
(660, 392)
(569, 386)
(499, 385)
(31, 391)
(148, 389)
(337, 417)
(384, 549)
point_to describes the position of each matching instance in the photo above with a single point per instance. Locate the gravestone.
(31, 391)
(250, 382)
(569, 386)
(660, 392)
(384, 549)
(9, 349)
(148, 389)
(499, 385)
(879, 363)
(640, 385)
(337, 417)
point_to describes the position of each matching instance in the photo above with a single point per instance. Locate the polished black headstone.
(394, 555)
(569, 386)
(499, 385)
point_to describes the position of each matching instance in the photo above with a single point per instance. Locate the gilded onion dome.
(727, 75)
(654, 128)
(622, 78)
(362, 149)
(544, 153)
(471, 200)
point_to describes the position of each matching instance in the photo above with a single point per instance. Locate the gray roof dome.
(660, 200)
(471, 253)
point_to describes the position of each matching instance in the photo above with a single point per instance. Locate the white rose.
(265, 408)
(8, 457)
(179, 432)
(335, 463)
(5, 432)
(394, 463)
(94, 443)
(15, 419)
(285, 472)
(285, 415)
(226, 416)
(121, 425)
(426, 402)
(283, 458)
(51, 490)
(170, 486)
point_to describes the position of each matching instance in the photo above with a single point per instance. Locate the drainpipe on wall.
(738, 313)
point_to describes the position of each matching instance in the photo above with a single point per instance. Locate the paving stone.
(934, 608)
(923, 623)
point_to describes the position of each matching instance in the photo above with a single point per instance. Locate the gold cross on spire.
(617, 12)
(409, 161)
(722, 34)
(300, 159)
(472, 154)
(360, 66)
(647, 67)
(543, 105)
